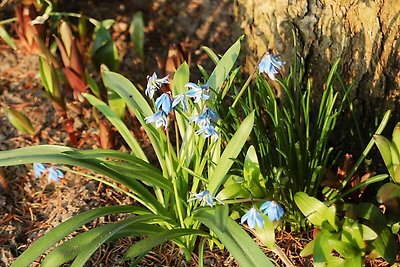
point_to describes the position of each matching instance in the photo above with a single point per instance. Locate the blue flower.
(271, 65)
(207, 114)
(164, 103)
(204, 197)
(197, 92)
(153, 84)
(207, 129)
(273, 210)
(39, 169)
(160, 118)
(180, 99)
(253, 217)
(204, 121)
(54, 175)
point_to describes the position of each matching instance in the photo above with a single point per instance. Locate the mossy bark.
(363, 34)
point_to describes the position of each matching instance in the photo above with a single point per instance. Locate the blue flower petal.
(164, 103)
(270, 65)
(38, 169)
(204, 197)
(253, 218)
(160, 118)
(273, 210)
(54, 175)
(153, 84)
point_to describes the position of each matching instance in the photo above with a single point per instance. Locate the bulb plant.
(170, 199)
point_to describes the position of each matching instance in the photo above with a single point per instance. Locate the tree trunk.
(364, 34)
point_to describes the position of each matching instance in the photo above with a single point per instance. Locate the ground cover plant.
(226, 164)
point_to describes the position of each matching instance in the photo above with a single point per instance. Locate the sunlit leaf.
(235, 239)
(231, 151)
(7, 38)
(136, 32)
(19, 120)
(388, 192)
(62, 230)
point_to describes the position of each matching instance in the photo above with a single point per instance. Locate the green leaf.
(136, 32)
(223, 67)
(345, 249)
(221, 215)
(116, 103)
(211, 54)
(233, 191)
(371, 180)
(252, 174)
(58, 233)
(57, 154)
(91, 248)
(385, 245)
(387, 192)
(396, 177)
(157, 239)
(19, 120)
(181, 78)
(147, 175)
(92, 84)
(267, 233)
(7, 38)
(119, 124)
(308, 249)
(231, 151)
(104, 50)
(384, 147)
(315, 211)
(396, 136)
(69, 249)
(372, 214)
(235, 239)
(322, 248)
(368, 233)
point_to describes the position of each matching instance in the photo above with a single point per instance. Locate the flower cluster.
(271, 65)
(272, 209)
(53, 174)
(165, 104)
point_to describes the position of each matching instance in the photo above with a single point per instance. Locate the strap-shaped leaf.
(147, 176)
(388, 192)
(396, 136)
(235, 239)
(56, 154)
(384, 146)
(315, 211)
(88, 251)
(7, 38)
(119, 124)
(157, 239)
(68, 250)
(231, 151)
(386, 246)
(64, 229)
(224, 66)
(181, 78)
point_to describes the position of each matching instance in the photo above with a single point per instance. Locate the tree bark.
(364, 34)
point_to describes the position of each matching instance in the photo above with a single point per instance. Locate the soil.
(29, 206)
